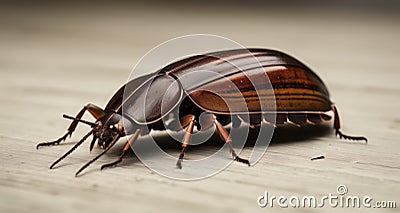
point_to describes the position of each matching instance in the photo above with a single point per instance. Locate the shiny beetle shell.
(299, 93)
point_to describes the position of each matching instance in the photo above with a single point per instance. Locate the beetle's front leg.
(127, 146)
(225, 136)
(96, 111)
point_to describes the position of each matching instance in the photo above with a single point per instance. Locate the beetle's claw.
(56, 142)
(241, 160)
(179, 163)
(348, 137)
(109, 165)
(47, 144)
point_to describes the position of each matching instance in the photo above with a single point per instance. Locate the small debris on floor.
(318, 157)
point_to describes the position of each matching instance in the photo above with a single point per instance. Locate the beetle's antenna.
(93, 142)
(80, 120)
(115, 139)
(72, 149)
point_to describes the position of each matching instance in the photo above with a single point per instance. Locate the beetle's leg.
(96, 111)
(186, 138)
(98, 156)
(336, 126)
(225, 136)
(127, 146)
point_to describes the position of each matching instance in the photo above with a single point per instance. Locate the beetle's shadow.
(285, 134)
(293, 134)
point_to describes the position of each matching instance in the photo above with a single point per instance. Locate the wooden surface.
(53, 60)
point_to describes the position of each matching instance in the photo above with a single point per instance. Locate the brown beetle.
(300, 96)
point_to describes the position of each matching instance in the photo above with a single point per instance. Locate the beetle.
(300, 95)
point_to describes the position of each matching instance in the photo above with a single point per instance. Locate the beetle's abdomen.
(297, 89)
(291, 88)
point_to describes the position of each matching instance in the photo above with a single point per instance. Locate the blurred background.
(57, 56)
(111, 37)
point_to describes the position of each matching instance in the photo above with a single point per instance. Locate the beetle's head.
(107, 129)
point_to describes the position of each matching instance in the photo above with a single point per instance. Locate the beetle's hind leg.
(96, 111)
(186, 138)
(336, 126)
(225, 136)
